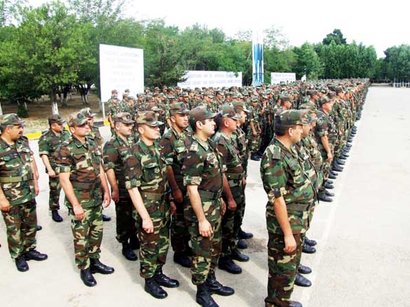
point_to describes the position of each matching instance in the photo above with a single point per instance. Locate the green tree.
(397, 63)
(307, 63)
(336, 36)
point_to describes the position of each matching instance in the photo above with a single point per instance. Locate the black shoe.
(216, 287)
(330, 181)
(333, 173)
(98, 267)
(328, 185)
(308, 249)
(225, 263)
(106, 218)
(331, 176)
(237, 255)
(323, 197)
(302, 281)
(56, 216)
(344, 155)
(35, 255)
(21, 264)
(310, 242)
(152, 287)
(165, 281)
(295, 304)
(340, 161)
(38, 227)
(203, 296)
(242, 244)
(245, 235)
(134, 243)
(128, 252)
(88, 278)
(303, 269)
(255, 157)
(330, 194)
(337, 168)
(183, 260)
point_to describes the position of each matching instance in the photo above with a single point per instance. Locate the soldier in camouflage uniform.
(146, 182)
(174, 144)
(114, 153)
(203, 175)
(18, 189)
(254, 129)
(48, 144)
(83, 180)
(290, 194)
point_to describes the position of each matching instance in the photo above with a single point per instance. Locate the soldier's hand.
(36, 188)
(107, 199)
(290, 244)
(232, 205)
(52, 174)
(172, 208)
(78, 212)
(178, 196)
(115, 195)
(223, 207)
(147, 225)
(329, 157)
(205, 228)
(5, 205)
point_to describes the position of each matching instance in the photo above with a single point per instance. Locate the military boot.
(21, 264)
(203, 297)
(302, 281)
(225, 263)
(87, 278)
(216, 287)
(153, 288)
(128, 253)
(164, 280)
(98, 267)
(56, 217)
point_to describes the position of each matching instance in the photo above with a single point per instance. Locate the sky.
(378, 24)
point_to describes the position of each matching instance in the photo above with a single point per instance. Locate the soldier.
(146, 183)
(18, 189)
(115, 151)
(254, 130)
(83, 180)
(174, 144)
(49, 142)
(290, 193)
(202, 170)
(112, 106)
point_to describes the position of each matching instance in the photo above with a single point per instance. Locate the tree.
(397, 62)
(336, 36)
(307, 63)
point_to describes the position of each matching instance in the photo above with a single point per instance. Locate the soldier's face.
(295, 133)
(243, 118)
(152, 133)
(180, 120)
(230, 124)
(57, 127)
(15, 131)
(208, 127)
(80, 131)
(124, 129)
(306, 130)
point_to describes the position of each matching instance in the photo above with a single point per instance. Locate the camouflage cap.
(178, 108)
(254, 99)
(201, 113)
(152, 108)
(148, 118)
(87, 112)
(55, 118)
(240, 106)
(322, 100)
(77, 119)
(10, 120)
(228, 111)
(123, 117)
(290, 118)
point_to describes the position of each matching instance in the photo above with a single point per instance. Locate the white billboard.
(278, 77)
(203, 78)
(121, 68)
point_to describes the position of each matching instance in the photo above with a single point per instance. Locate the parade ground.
(363, 251)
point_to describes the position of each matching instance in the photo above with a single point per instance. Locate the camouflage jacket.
(324, 126)
(16, 175)
(239, 137)
(282, 175)
(96, 135)
(230, 156)
(50, 142)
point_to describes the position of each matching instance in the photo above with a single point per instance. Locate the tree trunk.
(54, 104)
(1, 110)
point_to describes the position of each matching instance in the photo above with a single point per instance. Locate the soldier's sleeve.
(192, 166)
(273, 173)
(43, 146)
(166, 149)
(63, 160)
(223, 152)
(110, 156)
(132, 171)
(322, 127)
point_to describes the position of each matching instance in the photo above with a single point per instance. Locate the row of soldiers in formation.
(187, 181)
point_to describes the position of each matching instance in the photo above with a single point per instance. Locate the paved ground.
(363, 256)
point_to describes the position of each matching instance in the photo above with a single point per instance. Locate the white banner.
(203, 78)
(278, 77)
(121, 68)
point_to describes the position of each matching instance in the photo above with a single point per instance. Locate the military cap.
(152, 108)
(240, 105)
(123, 117)
(254, 98)
(289, 118)
(228, 111)
(10, 120)
(77, 119)
(87, 112)
(178, 108)
(310, 117)
(148, 118)
(322, 100)
(201, 113)
(55, 118)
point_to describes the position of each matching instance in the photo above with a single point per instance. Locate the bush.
(22, 112)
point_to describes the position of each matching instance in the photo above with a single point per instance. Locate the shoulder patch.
(194, 147)
(276, 152)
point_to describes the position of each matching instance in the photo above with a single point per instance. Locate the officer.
(115, 150)
(290, 193)
(174, 144)
(202, 170)
(48, 144)
(83, 180)
(146, 182)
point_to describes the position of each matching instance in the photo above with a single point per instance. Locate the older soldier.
(49, 142)
(115, 151)
(202, 170)
(174, 144)
(18, 188)
(290, 194)
(147, 185)
(83, 180)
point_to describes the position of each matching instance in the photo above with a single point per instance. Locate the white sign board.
(121, 68)
(203, 78)
(278, 77)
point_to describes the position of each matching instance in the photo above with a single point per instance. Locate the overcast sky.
(380, 25)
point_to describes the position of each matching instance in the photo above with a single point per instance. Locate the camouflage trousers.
(55, 189)
(282, 269)
(179, 229)
(153, 246)
(206, 251)
(125, 223)
(88, 234)
(21, 227)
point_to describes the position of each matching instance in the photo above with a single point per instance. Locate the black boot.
(244, 235)
(21, 264)
(242, 244)
(225, 263)
(164, 280)
(255, 157)
(56, 216)
(106, 218)
(310, 242)
(98, 267)
(237, 255)
(153, 288)
(35, 255)
(340, 161)
(203, 296)
(88, 278)
(302, 281)
(216, 287)
(38, 227)
(308, 249)
(182, 259)
(303, 269)
(134, 242)
(128, 252)
(328, 185)
(323, 197)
